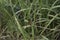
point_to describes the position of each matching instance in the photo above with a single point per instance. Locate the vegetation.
(29, 19)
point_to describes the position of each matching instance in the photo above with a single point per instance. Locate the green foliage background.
(29, 19)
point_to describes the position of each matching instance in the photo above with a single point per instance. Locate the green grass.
(29, 19)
